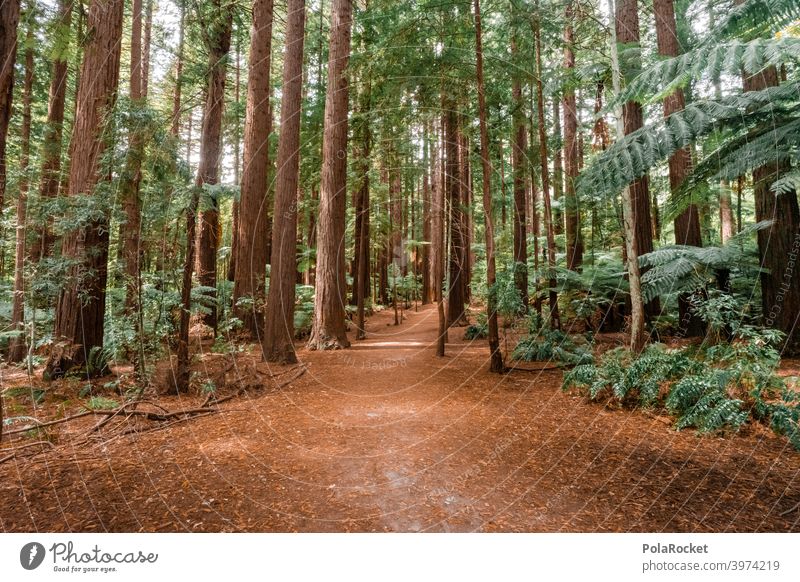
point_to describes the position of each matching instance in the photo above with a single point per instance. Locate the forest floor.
(387, 437)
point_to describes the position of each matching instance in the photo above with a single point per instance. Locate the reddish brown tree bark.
(218, 44)
(687, 224)
(555, 317)
(9, 19)
(329, 330)
(17, 347)
(456, 298)
(627, 33)
(251, 249)
(81, 304)
(571, 151)
(496, 363)
(519, 164)
(778, 245)
(42, 243)
(278, 344)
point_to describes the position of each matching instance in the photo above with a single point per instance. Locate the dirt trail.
(387, 437)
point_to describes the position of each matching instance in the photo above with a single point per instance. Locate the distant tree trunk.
(176, 96)
(9, 19)
(466, 180)
(571, 151)
(687, 224)
(496, 363)
(558, 167)
(627, 35)
(131, 229)
(456, 315)
(519, 164)
(361, 281)
(81, 303)
(278, 345)
(251, 251)
(147, 42)
(329, 330)
(778, 245)
(555, 318)
(218, 45)
(725, 213)
(231, 275)
(42, 243)
(17, 348)
(438, 253)
(427, 290)
(638, 338)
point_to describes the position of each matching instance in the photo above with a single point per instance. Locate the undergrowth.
(713, 388)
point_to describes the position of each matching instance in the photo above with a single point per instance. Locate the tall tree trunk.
(42, 243)
(218, 45)
(627, 35)
(456, 315)
(427, 291)
(278, 345)
(131, 231)
(251, 249)
(176, 96)
(438, 252)
(231, 274)
(361, 281)
(558, 167)
(778, 245)
(9, 19)
(725, 213)
(571, 150)
(466, 181)
(329, 298)
(519, 164)
(555, 318)
(81, 303)
(17, 347)
(496, 363)
(687, 224)
(638, 338)
(147, 45)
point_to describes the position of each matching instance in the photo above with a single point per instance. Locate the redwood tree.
(687, 224)
(42, 243)
(252, 237)
(329, 330)
(9, 19)
(519, 164)
(81, 303)
(278, 341)
(17, 347)
(218, 44)
(627, 37)
(571, 151)
(496, 356)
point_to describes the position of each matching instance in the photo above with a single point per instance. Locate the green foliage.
(101, 403)
(303, 310)
(702, 401)
(712, 388)
(628, 379)
(552, 345)
(479, 329)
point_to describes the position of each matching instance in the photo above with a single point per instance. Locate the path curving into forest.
(387, 437)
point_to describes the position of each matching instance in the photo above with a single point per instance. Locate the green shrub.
(552, 345)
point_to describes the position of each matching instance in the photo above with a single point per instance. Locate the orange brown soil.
(387, 437)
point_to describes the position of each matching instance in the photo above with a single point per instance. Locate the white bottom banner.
(416, 557)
